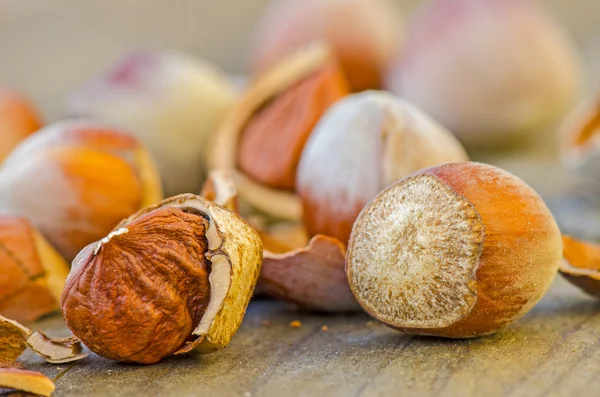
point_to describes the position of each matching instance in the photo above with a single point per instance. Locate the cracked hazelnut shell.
(170, 278)
(270, 124)
(456, 250)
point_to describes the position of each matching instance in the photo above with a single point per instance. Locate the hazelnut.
(75, 180)
(364, 34)
(18, 120)
(33, 272)
(264, 135)
(456, 250)
(580, 141)
(172, 102)
(172, 277)
(581, 265)
(491, 71)
(364, 143)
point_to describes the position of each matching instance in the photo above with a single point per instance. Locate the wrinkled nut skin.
(520, 251)
(364, 34)
(32, 272)
(18, 120)
(147, 290)
(272, 142)
(492, 72)
(361, 145)
(140, 297)
(82, 177)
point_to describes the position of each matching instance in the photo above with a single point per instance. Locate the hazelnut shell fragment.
(276, 202)
(581, 264)
(33, 272)
(27, 381)
(312, 277)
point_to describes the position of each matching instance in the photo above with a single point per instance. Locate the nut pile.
(311, 185)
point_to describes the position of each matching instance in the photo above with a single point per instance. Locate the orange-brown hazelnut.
(75, 180)
(170, 278)
(264, 135)
(366, 35)
(364, 143)
(456, 250)
(18, 120)
(32, 272)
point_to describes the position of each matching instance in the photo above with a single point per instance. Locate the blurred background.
(50, 47)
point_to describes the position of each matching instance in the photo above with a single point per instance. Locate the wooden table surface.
(553, 351)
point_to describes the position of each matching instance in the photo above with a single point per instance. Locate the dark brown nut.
(170, 278)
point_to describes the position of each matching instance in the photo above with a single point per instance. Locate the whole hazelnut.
(33, 273)
(365, 35)
(456, 250)
(170, 278)
(264, 135)
(18, 120)
(75, 180)
(364, 143)
(170, 101)
(492, 72)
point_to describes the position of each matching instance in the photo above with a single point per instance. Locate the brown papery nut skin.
(272, 142)
(172, 277)
(140, 297)
(507, 239)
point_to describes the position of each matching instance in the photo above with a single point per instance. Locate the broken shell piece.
(33, 272)
(15, 338)
(12, 339)
(312, 277)
(56, 351)
(220, 188)
(295, 112)
(581, 264)
(580, 141)
(28, 381)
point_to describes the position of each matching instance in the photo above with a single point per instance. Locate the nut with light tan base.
(75, 180)
(457, 250)
(170, 278)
